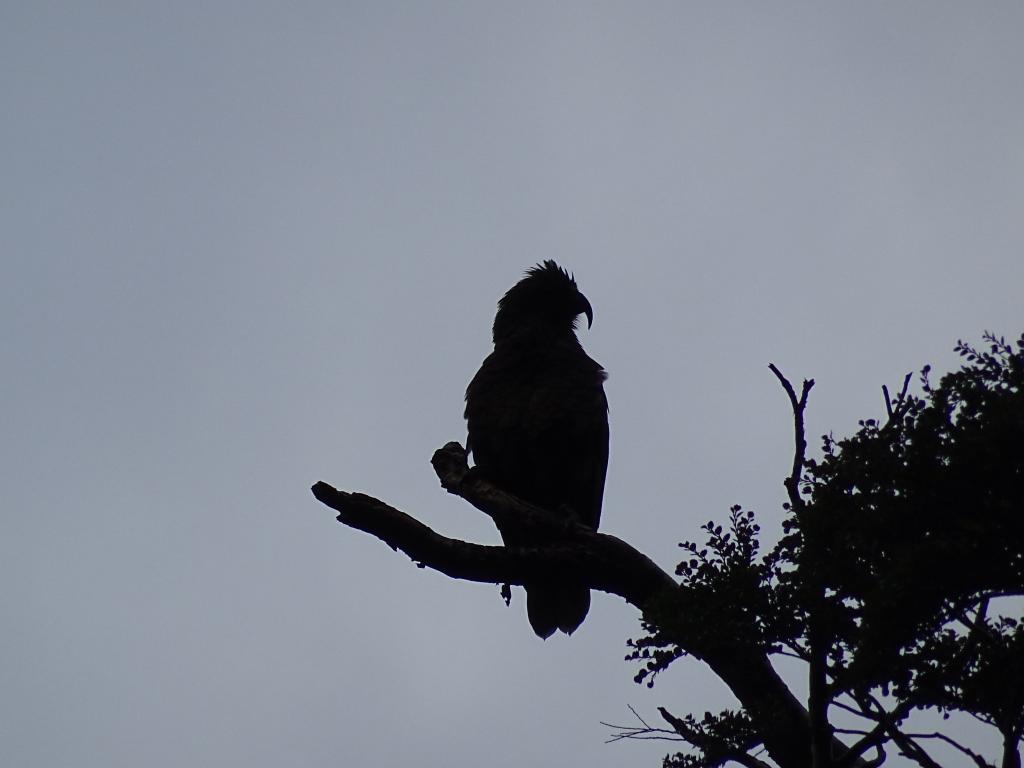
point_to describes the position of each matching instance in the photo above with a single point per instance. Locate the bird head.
(546, 300)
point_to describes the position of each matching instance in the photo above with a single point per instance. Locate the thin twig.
(854, 711)
(978, 759)
(645, 733)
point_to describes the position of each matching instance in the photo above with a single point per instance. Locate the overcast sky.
(249, 246)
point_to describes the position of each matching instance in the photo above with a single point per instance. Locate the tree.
(893, 583)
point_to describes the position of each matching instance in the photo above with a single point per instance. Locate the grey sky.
(249, 246)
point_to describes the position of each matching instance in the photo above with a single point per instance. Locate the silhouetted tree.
(896, 582)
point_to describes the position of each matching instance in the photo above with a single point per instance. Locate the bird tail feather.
(561, 606)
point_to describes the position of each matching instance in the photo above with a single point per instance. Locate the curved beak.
(587, 310)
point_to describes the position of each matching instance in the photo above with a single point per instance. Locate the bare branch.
(855, 711)
(452, 468)
(887, 724)
(600, 561)
(426, 547)
(643, 732)
(799, 405)
(603, 562)
(910, 748)
(877, 760)
(978, 759)
(895, 410)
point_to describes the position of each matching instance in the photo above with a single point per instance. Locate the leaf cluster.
(723, 738)
(728, 586)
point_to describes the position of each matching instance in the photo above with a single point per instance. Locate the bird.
(537, 419)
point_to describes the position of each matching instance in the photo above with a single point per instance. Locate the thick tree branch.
(603, 563)
(454, 558)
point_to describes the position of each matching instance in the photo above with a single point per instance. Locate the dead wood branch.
(603, 563)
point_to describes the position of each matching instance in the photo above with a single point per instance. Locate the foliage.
(900, 550)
